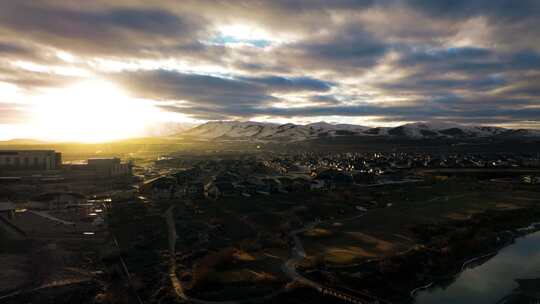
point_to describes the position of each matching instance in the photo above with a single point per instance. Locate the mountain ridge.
(266, 131)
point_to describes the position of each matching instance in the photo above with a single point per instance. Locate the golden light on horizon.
(90, 111)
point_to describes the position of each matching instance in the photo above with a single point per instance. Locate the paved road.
(289, 266)
(52, 218)
(298, 254)
(177, 285)
(57, 284)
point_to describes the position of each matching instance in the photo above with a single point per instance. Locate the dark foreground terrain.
(359, 241)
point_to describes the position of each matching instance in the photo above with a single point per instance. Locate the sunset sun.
(90, 111)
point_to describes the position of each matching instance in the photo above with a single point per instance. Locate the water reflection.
(493, 280)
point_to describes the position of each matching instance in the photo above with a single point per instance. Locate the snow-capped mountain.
(251, 130)
(322, 125)
(430, 130)
(259, 131)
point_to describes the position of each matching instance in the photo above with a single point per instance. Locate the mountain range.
(272, 132)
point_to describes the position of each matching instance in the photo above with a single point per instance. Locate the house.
(180, 191)
(163, 187)
(364, 177)
(317, 184)
(298, 169)
(335, 176)
(254, 185)
(7, 209)
(286, 183)
(184, 176)
(261, 187)
(220, 189)
(195, 189)
(227, 177)
(248, 187)
(57, 200)
(273, 184)
(109, 167)
(529, 179)
(300, 184)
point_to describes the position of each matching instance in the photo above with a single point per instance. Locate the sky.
(104, 69)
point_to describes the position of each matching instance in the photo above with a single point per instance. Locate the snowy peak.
(441, 129)
(322, 125)
(327, 129)
(269, 131)
(248, 130)
(216, 129)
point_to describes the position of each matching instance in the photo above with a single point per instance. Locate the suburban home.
(57, 200)
(163, 188)
(247, 187)
(529, 179)
(7, 209)
(300, 184)
(273, 184)
(195, 189)
(187, 175)
(227, 177)
(286, 183)
(364, 177)
(335, 176)
(216, 190)
(317, 184)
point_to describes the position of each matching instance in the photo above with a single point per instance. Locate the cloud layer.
(371, 61)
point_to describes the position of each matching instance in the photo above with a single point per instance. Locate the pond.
(493, 280)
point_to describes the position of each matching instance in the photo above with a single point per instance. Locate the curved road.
(289, 266)
(177, 285)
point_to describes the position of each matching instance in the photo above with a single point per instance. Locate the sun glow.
(91, 111)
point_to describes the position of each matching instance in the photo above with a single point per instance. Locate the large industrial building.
(30, 160)
(47, 164)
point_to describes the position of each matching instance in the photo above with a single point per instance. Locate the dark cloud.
(425, 83)
(97, 32)
(346, 48)
(213, 90)
(317, 5)
(469, 60)
(324, 99)
(33, 80)
(13, 49)
(283, 84)
(417, 112)
(506, 10)
(199, 89)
